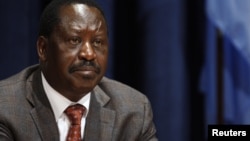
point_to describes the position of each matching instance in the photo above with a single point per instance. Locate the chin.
(86, 86)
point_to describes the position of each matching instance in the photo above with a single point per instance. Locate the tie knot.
(75, 113)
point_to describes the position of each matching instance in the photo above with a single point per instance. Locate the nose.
(87, 52)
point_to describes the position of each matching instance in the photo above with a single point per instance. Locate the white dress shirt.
(59, 103)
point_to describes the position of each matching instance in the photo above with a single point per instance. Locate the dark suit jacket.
(117, 112)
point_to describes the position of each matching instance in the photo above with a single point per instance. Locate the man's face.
(75, 55)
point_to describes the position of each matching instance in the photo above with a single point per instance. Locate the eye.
(97, 43)
(75, 41)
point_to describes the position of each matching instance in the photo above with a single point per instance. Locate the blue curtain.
(19, 21)
(161, 42)
(153, 48)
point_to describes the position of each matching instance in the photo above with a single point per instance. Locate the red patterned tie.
(75, 113)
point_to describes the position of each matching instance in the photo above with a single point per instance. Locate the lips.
(85, 69)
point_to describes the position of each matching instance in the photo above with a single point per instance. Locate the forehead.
(81, 15)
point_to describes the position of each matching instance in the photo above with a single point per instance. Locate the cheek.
(103, 60)
(102, 54)
(63, 60)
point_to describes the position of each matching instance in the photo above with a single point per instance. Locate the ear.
(42, 44)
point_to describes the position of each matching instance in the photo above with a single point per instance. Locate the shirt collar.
(58, 102)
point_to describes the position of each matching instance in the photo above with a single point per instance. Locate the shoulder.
(121, 92)
(17, 81)
(112, 85)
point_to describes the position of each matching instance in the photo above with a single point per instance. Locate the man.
(73, 50)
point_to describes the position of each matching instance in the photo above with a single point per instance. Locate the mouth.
(86, 71)
(86, 68)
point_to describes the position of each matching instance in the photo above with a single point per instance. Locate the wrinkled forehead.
(81, 15)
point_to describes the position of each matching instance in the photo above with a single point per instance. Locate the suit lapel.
(47, 127)
(100, 120)
(42, 113)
